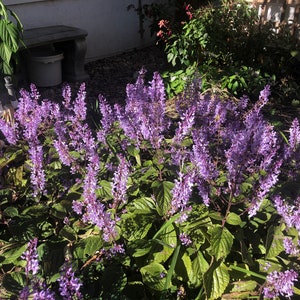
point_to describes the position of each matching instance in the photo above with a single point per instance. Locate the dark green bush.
(230, 47)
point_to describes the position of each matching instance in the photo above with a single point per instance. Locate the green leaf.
(244, 285)
(216, 280)
(183, 268)
(142, 205)
(168, 282)
(166, 244)
(35, 210)
(11, 212)
(135, 152)
(233, 219)
(87, 247)
(58, 211)
(221, 241)
(13, 256)
(151, 276)
(140, 247)
(14, 282)
(7, 159)
(105, 190)
(163, 196)
(199, 267)
(68, 233)
(136, 226)
(274, 244)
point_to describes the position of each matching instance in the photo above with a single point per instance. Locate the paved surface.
(109, 76)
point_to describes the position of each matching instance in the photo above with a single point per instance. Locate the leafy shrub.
(227, 39)
(148, 207)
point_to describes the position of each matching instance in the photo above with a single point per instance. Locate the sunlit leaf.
(152, 276)
(221, 241)
(163, 195)
(216, 280)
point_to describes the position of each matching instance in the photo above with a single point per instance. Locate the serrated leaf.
(87, 247)
(199, 266)
(233, 219)
(138, 248)
(216, 280)
(184, 268)
(136, 226)
(142, 205)
(35, 210)
(221, 241)
(163, 196)
(105, 190)
(13, 256)
(151, 276)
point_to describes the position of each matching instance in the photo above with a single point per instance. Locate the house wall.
(111, 27)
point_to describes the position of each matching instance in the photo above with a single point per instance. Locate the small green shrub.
(228, 44)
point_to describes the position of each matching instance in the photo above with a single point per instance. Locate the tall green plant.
(10, 39)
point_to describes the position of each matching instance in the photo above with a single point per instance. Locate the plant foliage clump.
(148, 207)
(232, 49)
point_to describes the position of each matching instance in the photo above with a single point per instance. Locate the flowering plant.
(146, 206)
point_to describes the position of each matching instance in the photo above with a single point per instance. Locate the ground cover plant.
(146, 206)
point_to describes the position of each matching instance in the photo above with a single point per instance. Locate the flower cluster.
(280, 284)
(69, 285)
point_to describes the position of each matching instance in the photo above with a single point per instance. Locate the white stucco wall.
(111, 28)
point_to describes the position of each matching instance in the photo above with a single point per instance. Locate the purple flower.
(41, 292)
(69, 285)
(77, 207)
(289, 213)
(280, 284)
(10, 131)
(63, 152)
(201, 157)
(265, 184)
(292, 151)
(31, 258)
(186, 124)
(290, 247)
(119, 183)
(294, 134)
(107, 120)
(37, 175)
(143, 117)
(67, 96)
(24, 293)
(79, 106)
(181, 192)
(185, 239)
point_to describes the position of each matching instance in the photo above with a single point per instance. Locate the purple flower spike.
(31, 258)
(69, 285)
(182, 192)
(280, 284)
(119, 184)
